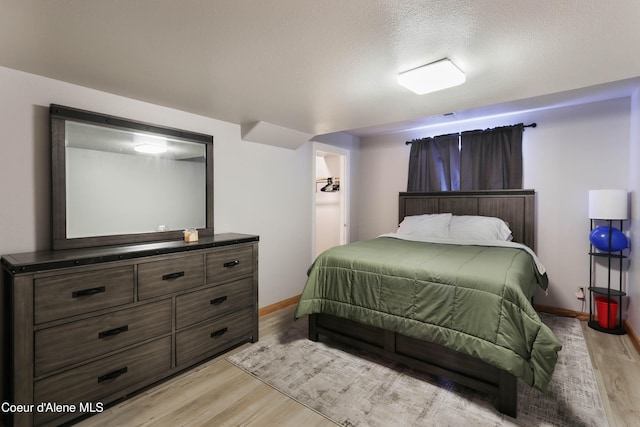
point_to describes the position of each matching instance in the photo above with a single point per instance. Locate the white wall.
(633, 287)
(259, 189)
(573, 149)
(264, 190)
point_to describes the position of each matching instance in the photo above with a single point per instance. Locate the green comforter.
(470, 298)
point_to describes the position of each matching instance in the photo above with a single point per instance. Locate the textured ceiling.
(321, 66)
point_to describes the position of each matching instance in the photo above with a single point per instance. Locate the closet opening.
(329, 198)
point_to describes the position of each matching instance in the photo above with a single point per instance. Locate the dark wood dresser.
(89, 326)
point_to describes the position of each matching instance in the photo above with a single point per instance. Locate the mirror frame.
(58, 115)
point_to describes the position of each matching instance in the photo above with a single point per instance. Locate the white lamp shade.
(608, 204)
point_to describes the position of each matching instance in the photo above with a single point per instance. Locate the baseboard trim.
(580, 315)
(632, 334)
(278, 306)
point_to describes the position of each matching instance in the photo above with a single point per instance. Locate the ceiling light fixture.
(432, 77)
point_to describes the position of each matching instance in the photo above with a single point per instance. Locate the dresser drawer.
(93, 381)
(229, 264)
(83, 339)
(66, 295)
(170, 275)
(214, 302)
(198, 342)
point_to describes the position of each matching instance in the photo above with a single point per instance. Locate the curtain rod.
(530, 125)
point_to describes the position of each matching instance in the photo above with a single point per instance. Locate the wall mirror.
(119, 181)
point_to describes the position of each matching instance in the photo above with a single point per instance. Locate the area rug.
(356, 388)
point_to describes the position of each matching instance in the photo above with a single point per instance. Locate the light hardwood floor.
(218, 394)
(215, 393)
(616, 364)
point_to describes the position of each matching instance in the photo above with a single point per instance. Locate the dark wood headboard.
(516, 207)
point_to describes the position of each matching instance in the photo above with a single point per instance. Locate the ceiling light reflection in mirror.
(149, 144)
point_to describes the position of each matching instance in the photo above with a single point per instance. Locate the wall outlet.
(580, 293)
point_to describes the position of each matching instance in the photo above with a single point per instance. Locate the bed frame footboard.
(428, 357)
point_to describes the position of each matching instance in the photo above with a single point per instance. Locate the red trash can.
(601, 307)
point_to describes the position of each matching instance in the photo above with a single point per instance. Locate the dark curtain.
(434, 164)
(491, 159)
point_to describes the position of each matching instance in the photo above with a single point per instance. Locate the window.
(474, 160)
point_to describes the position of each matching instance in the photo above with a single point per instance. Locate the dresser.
(87, 327)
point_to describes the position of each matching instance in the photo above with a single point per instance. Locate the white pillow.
(430, 225)
(478, 228)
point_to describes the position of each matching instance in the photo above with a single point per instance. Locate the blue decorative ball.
(599, 238)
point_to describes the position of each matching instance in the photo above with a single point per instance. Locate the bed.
(459, 309)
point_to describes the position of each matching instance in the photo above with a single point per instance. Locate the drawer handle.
(231, 263)
(219, 300)
(112, 332)
(85, 292)
(112, 375)
(172, 276)
(219, 332)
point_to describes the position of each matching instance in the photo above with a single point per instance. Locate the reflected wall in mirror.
(119, 181)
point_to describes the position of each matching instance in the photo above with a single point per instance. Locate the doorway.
(330, 197)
